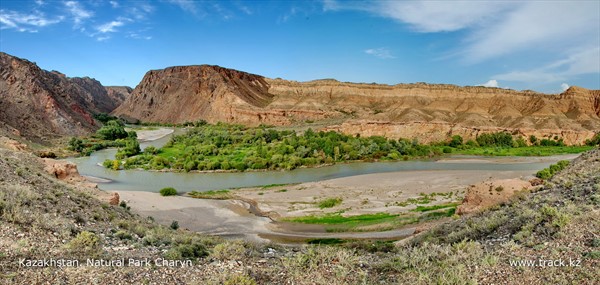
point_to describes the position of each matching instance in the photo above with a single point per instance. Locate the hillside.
(41, 105)
(44, 218)
(429, 112)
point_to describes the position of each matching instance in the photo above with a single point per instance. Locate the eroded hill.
(429, 112)
(41, 105)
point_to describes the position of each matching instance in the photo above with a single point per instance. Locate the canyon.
(427, 112)
(41, 105)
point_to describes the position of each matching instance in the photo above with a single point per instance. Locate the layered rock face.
(42, 105)
(429, 112)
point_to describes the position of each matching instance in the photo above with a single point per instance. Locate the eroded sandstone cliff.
(429, 112)
(41, 105)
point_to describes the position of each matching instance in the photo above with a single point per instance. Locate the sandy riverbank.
(370, 193)
(151, 135)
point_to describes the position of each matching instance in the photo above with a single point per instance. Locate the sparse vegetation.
(546, 173)
(329, 203)
(212, 194)
(559, 221)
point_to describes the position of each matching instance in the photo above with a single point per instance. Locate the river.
(153, 181)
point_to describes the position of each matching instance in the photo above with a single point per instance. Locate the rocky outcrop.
(11, 144)
(114, 199)
(43, 105)
(487, 194)
(118, 94)
(62, 170)
(429, 112)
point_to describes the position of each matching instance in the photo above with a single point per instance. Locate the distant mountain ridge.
(429, 112)
(41, 105)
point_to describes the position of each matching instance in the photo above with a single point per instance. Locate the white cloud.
(114, 4)
(140, 12)
(567, 33)
(576, 63)
(440, 16)
(186, 5)
(564, 87)
(25, 22)
(109, 27)
(137, 36)
(427, 16)
(490, 83)
(536, 25)
(382, 53)
(78, 12)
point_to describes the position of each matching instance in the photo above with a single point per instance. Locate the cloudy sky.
(539, 45)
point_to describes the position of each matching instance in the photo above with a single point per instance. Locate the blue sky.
(539, 45)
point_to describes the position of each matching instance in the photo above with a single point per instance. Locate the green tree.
(112, 130)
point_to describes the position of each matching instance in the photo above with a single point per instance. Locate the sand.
(151, 135)
(215, 217)
(370, 193)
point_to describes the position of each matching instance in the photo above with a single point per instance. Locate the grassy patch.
(326, 241)
(274, 185)
(212, 194)
(523, 151)
(371, 222)
(330, 203)
(434, 207)
(336, 219)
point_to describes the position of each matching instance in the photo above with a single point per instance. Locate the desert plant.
(85, 243)
(330, 203)
(174, 225)
(229, 250)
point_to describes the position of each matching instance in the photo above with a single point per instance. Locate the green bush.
(547, 173)
(168, 191)
(85, 243)
(593, 141)
(456, 141)
(495, 139)
(112, 130)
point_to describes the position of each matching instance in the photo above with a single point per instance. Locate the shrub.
(168, 191)
(593, 141)
(76, 144)
(229, 250)
(123, 235)
(174, 225)
(495, 139)
(112, 130)
(239, 279)
(544, 174)
(330, 203)
(85, 243)
(456, 141)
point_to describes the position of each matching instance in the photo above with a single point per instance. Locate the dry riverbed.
(393, 192)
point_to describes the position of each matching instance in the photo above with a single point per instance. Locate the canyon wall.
(429, 112)
(41, 105)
